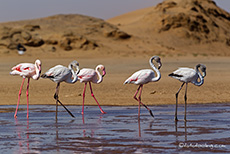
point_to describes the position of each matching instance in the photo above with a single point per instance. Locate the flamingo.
(90, 75)
(145, 76)
(60, 74)
(188, 75)
(26, 70)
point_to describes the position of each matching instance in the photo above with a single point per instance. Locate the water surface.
(118, 131)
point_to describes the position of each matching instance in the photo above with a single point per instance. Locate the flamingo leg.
(83, 96)
(19, 95)
(27, 96)
(176, 119)
(139, 100)
(56, 97)
(185, 101)
(58, 101)
(95, 98)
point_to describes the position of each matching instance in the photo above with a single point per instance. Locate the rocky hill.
(60, 32)
(181, 27)
(173, 27)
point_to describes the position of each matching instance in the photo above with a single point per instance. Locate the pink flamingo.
(89, 75)
(26, 70)
(145, 76)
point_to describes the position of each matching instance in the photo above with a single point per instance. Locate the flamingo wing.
(141, 77)
(184, 74)
(57, 73)
(24, 70)
(87, 75)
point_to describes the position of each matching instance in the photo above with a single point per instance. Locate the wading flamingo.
(90, 75)
(187, 75)
(59, 74)
(145, 76)
(26, 70)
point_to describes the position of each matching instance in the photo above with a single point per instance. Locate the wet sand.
(118, 131)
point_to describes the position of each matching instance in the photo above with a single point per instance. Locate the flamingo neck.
(99, 75)
(37, 72)
(74, 77)
(201, 78)
(158, 77)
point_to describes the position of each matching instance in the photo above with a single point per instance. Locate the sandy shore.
(112, 91)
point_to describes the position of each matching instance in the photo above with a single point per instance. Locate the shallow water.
(118, 131)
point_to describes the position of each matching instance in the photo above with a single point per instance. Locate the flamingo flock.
(72, 74)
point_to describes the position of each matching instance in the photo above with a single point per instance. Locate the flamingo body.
(184, 74)
(88, 75)
(141, 77)
(59, 73)
(26, 70)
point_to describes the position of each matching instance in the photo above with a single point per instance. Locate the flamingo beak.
(103, 73)
(160, 64)
(204, 74)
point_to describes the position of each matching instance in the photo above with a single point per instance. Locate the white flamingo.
(90, 75)
(145, 76)
(26, 70)
(60, 74)
(187, 75)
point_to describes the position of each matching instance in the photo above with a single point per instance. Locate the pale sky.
(13, 10)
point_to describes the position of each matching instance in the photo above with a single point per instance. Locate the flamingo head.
(102, 67)
(202, 69)
(74, 64)
(158, 60)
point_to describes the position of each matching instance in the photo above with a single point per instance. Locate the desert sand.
(182, 34)
(112, 91)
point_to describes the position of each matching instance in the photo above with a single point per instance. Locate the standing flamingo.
(187, 75)
(59, 74)
(90, 75)
(26, 70)
(145, 76)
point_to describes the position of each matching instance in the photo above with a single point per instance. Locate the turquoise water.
(118, 131)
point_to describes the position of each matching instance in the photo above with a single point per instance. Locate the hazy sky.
(11, 10)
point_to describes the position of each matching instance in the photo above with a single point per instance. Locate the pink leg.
(135, 97)
(95, 98)
(83, 95)
(19, 95)
(27, 95)
(139, 100)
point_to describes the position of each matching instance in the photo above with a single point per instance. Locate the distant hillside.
(173, 27)
(181, 27)
(60, 32)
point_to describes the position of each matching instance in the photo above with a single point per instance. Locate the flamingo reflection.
(185, 130)
(21, 142)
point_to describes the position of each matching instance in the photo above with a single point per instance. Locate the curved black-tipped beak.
(204, 74)
(160, 64)
(104, 73)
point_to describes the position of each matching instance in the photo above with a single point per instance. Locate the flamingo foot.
(151, 113)
(176, 119)
(103, 112)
